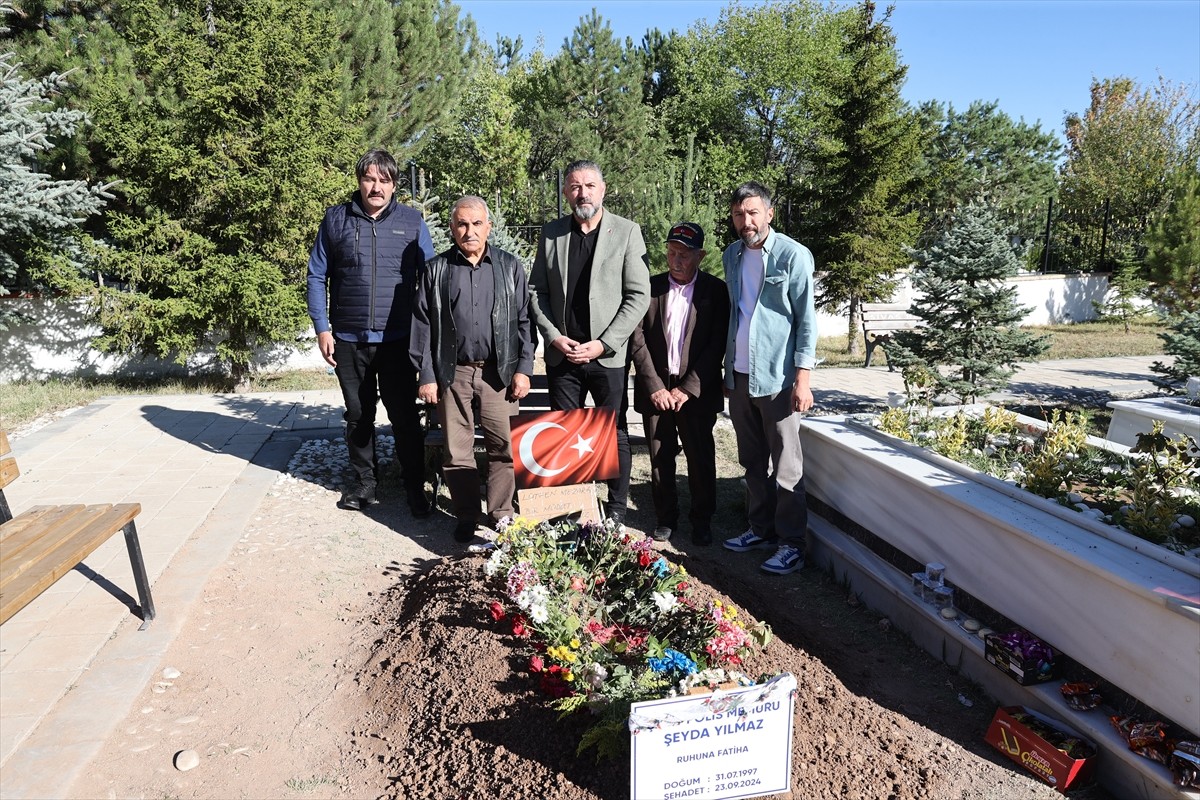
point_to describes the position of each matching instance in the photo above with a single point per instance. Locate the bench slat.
(42, 531)
(8, 471)
(55, 550)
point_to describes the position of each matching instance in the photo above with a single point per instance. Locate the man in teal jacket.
(769, 354)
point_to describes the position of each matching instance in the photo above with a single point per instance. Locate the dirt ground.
(350, 655)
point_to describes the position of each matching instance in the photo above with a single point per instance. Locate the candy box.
(1047, 748)
(1023, 657)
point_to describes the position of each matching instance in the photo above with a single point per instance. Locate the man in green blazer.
(590, 286)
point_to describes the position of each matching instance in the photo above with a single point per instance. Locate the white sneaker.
(747, 541)
(787, 559)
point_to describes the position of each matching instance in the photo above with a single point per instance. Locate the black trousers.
(368, 373)
(665, 430)
(569, 386)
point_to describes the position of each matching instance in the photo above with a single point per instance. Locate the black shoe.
(662, 533)
(464, 532)
(418, 503)
(702, 536)
(350, 501)
(358, 497)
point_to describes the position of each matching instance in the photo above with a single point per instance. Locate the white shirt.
(753, 270)
(679, 300)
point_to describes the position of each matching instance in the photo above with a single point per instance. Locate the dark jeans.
(569, 386)
(368, 373)
(665, 430)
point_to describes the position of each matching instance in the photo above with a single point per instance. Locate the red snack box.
(1026, 747)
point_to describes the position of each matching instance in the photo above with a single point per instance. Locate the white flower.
(539, 614)
(665, 601)
(494, 564)
(595, 675)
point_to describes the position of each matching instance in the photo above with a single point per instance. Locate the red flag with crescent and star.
(561, 448)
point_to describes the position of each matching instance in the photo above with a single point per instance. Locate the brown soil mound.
(453, 715)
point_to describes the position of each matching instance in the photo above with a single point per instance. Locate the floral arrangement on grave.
(1153, 493)
(610, 622)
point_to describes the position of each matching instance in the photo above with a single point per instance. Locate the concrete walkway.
(73, 661)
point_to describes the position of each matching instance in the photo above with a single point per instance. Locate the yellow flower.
(568, 676)
(570, 657)
(575, 644)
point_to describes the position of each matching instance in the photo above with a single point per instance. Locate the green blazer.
(619, 292)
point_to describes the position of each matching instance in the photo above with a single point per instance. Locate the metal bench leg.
(139, 573)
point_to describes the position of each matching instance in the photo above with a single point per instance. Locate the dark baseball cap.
(687, 233)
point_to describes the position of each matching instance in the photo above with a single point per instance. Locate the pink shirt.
(679, 300)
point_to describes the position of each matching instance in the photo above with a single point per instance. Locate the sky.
(1036, 58)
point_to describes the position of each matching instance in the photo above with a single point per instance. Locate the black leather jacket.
(433, 345)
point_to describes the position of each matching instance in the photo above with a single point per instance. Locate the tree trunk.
(855, 324)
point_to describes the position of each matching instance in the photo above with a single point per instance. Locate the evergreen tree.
(1173, 249)
(41, 245)
(401, 64)
(675, 200)
(1183, 342)
(981, 155)
(861, 221)
(1125, 286)
(229, 147)
(587, 103)
(969, 342)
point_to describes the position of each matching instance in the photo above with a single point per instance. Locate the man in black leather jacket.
(362, 273)
(471, 340)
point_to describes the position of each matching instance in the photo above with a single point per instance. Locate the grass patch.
(24, 401)
(309, 784)
(1080, 340)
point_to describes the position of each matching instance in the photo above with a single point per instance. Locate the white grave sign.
(718, 746)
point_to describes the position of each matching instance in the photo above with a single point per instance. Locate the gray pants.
(768, 444)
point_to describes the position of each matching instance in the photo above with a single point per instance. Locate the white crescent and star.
(582, 446)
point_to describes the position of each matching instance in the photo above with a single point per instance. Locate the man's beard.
(751, 239)
(585, 211)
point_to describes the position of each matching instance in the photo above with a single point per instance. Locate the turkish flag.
(561, 448)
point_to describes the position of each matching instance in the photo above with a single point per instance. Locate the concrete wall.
(54, 339)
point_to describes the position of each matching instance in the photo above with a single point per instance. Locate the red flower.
(645, 559)
(518, 625)
(681, 587)
(577, 583)
(497, 611)
(599, 579)
(536, 664)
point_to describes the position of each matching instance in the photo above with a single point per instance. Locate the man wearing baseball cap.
(677, 351)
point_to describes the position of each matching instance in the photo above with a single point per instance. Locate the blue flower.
(660, 567)
(672, 660)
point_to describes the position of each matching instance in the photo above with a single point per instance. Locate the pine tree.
(969, 342)
(862, 220)
(41, 245)
(1183, 342)
(1125, 286)
(674, 200)
(1173, 249)
(403, 65)
(229, 146)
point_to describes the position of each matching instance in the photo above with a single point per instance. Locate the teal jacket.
(783, 329)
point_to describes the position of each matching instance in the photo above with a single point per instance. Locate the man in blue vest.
(362, 273)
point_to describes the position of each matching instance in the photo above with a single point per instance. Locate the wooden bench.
(880, 321)
(46, 542)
